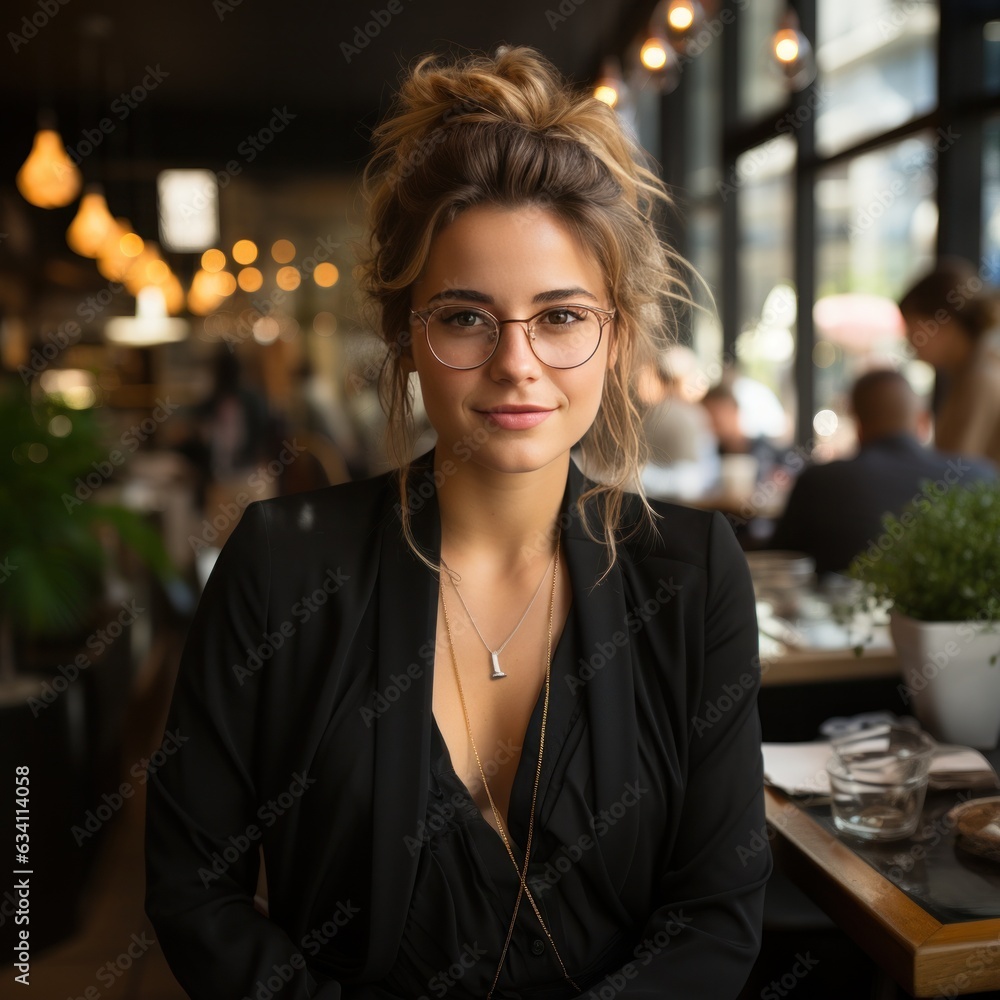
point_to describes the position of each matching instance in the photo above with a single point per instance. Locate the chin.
(518, 457)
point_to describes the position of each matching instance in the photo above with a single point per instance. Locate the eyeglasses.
(466, 337)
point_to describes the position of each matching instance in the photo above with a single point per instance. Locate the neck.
(500, 517)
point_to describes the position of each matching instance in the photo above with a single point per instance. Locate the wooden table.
(814, 666)
(923, 955)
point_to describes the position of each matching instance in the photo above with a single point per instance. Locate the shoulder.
(681, 534)
(345, 517)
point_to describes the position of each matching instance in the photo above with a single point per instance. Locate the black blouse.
(303, 717)
(466, 884)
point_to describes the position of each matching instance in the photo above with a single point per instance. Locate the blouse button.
(538, 947)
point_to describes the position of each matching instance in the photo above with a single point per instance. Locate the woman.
(492, 725)
(953, 323)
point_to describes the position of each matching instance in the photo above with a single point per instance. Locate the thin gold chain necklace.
(522, 873)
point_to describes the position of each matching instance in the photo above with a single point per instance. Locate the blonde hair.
(506, 130)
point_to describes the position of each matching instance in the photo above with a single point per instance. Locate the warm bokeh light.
(89, 229)
(131, 244)
(208, 289)
(607, 94)
(786, 45)
(138, 273)
(244, 251)
(111, 262)
(158, 272)
(326, 275)
(653, 54)
(288, 278)
(325, 324)
(213, 260)
(250, 278)
(266, 330)
(48, 178)
(283, 251)
(680, 15)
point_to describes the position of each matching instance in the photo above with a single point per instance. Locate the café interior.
(181, 335)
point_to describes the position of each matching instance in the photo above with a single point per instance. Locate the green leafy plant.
(52, 558)
(939, 560)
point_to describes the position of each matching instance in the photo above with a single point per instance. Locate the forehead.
(506, 251)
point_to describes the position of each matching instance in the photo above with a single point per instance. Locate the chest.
(483, 720)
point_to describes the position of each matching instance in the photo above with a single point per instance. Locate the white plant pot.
(950, 682)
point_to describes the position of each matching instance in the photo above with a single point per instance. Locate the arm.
(703, 938)
(200, 902)
(969, 417)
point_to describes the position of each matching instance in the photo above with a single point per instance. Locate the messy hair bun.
(506, 130)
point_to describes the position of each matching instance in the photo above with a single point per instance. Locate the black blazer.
(315, 604)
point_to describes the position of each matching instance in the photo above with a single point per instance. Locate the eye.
(463, 318)
(563, 316)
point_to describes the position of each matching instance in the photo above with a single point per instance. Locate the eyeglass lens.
(464, 337)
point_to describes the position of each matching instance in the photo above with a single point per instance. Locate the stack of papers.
(800, 768)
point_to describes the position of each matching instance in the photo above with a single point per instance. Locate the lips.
(515, 417)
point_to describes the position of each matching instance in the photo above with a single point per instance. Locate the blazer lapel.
(407, 627)
(605, 671)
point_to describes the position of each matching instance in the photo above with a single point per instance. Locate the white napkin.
(800, 768)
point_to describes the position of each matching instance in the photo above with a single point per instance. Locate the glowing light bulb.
(326, 275)
(244, 251)
(786, 45)
(250, 279)
(90, 225)
(607, 94)
(131, 244)
(288, 278)
(283, 251)
(213, 260)
(680, 15)
(653, 54)
(48, 178)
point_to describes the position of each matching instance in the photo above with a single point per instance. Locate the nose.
(514, 360)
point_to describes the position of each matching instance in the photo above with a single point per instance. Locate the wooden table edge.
(922, 954)
(815, 666)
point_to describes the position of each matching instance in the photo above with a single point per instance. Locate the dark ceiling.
(220, 67)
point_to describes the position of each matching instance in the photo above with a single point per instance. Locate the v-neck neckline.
(520, 797)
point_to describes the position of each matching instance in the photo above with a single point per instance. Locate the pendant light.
(792, 53)
(48, 178)
(92, 224)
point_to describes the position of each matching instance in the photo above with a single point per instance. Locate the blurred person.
(953, 323)
(725, 413)
(376, 669)
(683, 450)
(835, 510)
(230, 432)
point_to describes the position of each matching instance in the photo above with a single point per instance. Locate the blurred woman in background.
(953, 323)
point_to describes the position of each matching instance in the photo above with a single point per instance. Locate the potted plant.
(55, 555)
(52, 558)
(937, 564)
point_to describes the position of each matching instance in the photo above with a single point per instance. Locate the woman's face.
(942, 344)
(513, 413)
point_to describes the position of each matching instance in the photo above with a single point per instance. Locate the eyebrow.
(471, 295)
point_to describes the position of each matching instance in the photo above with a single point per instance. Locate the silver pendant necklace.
(495, 653)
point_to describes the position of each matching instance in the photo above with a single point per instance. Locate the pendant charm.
(497, 672)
